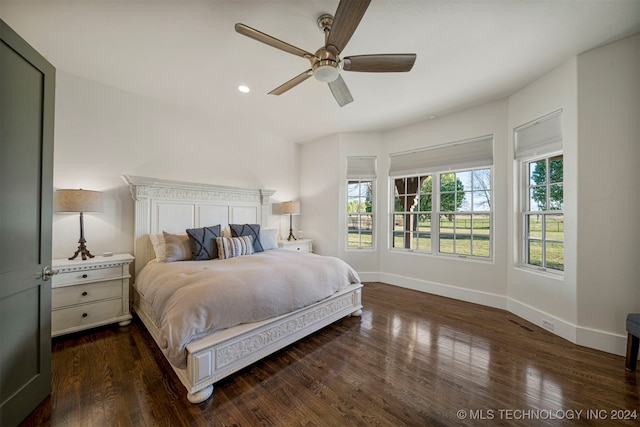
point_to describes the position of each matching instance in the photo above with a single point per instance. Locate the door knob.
(48, 273)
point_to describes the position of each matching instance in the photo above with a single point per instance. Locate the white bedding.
(190, 299)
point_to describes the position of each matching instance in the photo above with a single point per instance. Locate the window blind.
(542, 136)
(361, 167)
(472, 153)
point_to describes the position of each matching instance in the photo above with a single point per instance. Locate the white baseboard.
(587, 337)
(463, 294)
(369, 276)
(602, 340)
(553, 324)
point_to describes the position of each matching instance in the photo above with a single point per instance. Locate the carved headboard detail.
(173, 206)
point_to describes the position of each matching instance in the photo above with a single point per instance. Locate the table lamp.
(291, 208)
(79, 201)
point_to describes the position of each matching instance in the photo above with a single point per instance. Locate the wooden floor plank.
(412, 359)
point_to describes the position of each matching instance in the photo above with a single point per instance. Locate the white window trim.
(490, 213)
(435, 231)
(372, 213)
(524, 203)
(391, 210)
(362, 168)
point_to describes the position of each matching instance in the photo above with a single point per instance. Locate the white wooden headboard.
(173, 206)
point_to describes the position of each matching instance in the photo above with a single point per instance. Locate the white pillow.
(171, 247)
(177, 247)
(157, 241)
(269, 238)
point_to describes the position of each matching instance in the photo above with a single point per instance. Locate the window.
(446, 207)
(465, 213)
(412, 203)
(538, 149)
(543, 217)
(360, 202)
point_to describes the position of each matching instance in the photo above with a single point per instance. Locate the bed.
(200, 356)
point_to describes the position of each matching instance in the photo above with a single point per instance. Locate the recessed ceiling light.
(243, 88)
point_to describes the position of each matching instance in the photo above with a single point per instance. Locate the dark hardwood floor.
(413, 359)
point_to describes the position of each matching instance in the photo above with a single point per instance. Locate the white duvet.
(190, 299)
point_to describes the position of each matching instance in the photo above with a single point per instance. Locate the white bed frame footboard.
(219, 355)
(175, 206)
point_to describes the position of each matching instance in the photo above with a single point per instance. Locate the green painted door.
(27, 86)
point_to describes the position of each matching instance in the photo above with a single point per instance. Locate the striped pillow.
(229, 247)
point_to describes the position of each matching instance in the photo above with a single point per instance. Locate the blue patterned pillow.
(229, 247)
(253, 230)
(203, 242)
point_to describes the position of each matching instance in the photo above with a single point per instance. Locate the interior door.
(27, 85)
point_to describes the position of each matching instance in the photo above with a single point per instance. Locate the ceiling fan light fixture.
(326, 71)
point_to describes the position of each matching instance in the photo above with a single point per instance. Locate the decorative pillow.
(229, 247)
(253, 230)
(157, 241)
(203, 242)
(177, 247)
(269, 238)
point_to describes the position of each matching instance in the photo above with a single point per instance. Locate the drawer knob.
(84, 294)
(84, 314)
(84, 276)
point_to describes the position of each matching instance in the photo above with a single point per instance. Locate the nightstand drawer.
(300, 245)
(84, 275)
(299, 248)
(79, 294)
(85, 315)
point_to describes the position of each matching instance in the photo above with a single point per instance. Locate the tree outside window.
(462, 215)
(360, 214)
(465, 213)
(543, 216)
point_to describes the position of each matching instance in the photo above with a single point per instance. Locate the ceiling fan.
(326, 62)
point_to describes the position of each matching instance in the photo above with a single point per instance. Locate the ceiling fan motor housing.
(325, 64)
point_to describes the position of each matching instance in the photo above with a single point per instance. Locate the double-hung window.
(465, 212)
(361, 177)
(412, 208)
(539, 152)
(441, 199)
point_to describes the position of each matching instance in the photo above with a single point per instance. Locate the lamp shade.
(78, 201)
(291, 208)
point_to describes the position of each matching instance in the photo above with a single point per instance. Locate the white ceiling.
(186, 53)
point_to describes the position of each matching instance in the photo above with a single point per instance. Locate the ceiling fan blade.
(340, 91)
(292, 83)
(271, 41)
(384, 63)
(346, 20)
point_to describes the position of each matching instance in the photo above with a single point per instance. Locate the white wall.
(323, 191)
(477, 281)
(599, 93)
(365, 261)
(102, 133)
(537, 296)
(319, 204)
(608, 196)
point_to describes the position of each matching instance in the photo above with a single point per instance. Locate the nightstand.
(86, 294)
(300, 245)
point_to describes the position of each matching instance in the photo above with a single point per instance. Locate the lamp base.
(83, 251)
(291, 236)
